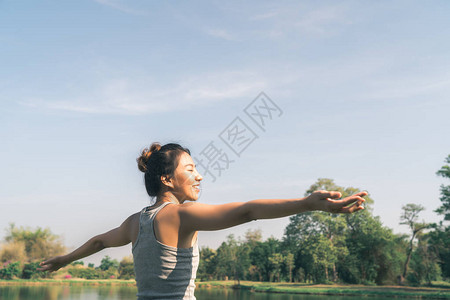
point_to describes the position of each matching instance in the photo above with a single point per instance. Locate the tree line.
(316, 247)
(319, 247)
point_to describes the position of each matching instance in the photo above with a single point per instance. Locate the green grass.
(102, 282)
(440, 292)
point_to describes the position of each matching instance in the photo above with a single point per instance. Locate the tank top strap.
(149, 213)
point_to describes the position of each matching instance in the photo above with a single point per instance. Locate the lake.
(57, 292)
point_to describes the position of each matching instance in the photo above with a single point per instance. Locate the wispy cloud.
(221, 33)
(117, 4)
(134, 97)
(298, 19)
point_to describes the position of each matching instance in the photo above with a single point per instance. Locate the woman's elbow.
(98, 243)
(249, 215)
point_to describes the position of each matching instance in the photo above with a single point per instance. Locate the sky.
(356, 91)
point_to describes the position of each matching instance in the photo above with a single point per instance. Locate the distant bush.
(30, 271)
(87, 273)
(126, 268)
(10, 270)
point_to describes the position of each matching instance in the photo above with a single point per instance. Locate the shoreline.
(439, 292)
(335, 290)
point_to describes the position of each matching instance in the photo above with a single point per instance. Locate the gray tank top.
(162, 272)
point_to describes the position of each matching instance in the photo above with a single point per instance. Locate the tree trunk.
(408, 258)
(334, 273)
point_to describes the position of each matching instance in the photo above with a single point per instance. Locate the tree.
(289, 262)
(444, 209)
(108, 263)
(126, 268)
(439, 243)
(276, 260)
(258, 255)
(409, 217)
(232, 259)
(13, 251)
(424, 267)
(206, 268)
(331, 226)
(39, 243)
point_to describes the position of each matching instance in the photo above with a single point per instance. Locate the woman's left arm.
(197, 216)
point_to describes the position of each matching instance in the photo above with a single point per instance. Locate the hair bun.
(145, 156)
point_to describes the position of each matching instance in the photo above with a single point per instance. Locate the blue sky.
(84, 86)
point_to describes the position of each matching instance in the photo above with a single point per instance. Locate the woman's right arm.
(116, 237)
(197, 216)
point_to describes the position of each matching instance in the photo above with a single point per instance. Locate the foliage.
(206, 267)
(108, 263)
(424, 266)
(444, 209)
(87, 273)
(10, 270)
(30, 271)
(410, 216)
(13, 251)
(126, 268)
(439, 244)
(39, 243)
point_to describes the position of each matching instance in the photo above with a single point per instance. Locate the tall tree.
(409, 217)
(444, 209)
(331, 226)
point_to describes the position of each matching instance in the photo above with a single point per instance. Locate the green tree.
(10, 270)
(444, 209)
(207, 266)
(424, 267)
(375, 254)
(409, 217)
(30, 271)
(108, 263)
(258, 255)
(289, 262)
(439, 243)
(331, 226)
(126, 268)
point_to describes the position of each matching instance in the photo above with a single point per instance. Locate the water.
(59, 292)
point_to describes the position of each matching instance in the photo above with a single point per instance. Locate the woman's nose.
(198, 177)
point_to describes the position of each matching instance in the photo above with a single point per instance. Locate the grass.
(440, 291)
(77, 281)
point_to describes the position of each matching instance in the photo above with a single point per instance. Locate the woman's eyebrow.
(189, 165)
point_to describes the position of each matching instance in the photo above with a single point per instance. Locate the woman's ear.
(167, 181)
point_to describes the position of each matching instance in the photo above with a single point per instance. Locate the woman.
(164, 235)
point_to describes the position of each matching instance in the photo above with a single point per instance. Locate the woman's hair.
(158, 161)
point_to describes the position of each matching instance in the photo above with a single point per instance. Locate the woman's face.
(186, 180)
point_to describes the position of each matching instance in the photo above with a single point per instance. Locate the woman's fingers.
(355, 198)
(330, 194)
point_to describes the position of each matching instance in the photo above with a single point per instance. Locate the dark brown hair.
(158, 161)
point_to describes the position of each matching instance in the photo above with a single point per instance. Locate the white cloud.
(298, 19)
(116, 4)
(221, 33)
(134, 97)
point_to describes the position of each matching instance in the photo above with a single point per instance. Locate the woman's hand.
(325, 201)
(52, 264)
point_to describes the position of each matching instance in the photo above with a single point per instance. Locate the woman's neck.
(167, 197)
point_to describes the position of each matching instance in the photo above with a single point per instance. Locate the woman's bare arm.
(116, 237)
(197, 216)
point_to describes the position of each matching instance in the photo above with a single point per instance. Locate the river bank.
(442, 291)
(438, 291)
